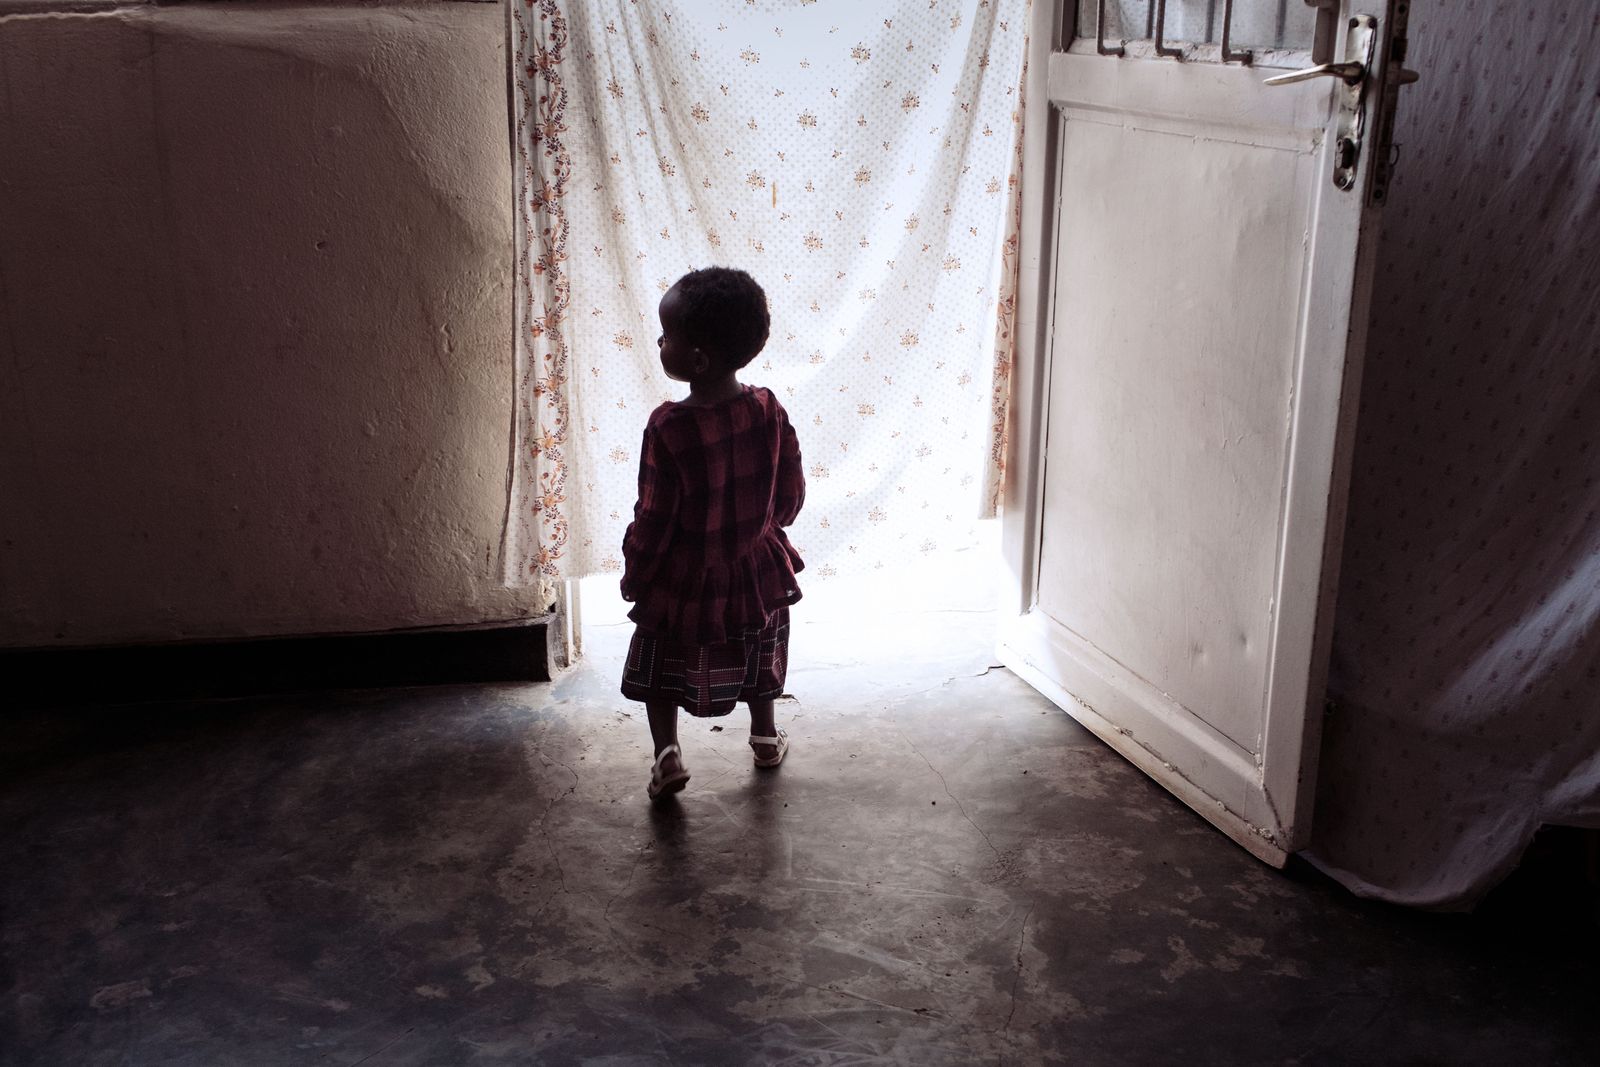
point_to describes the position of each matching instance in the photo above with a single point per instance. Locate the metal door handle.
(1350, 97)
(1349, 73)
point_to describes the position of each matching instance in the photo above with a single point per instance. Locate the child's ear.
(702, 362)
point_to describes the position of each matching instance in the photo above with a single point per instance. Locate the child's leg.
(664, 731)
(762, 725)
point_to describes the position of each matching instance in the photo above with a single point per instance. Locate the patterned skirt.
(708, 680)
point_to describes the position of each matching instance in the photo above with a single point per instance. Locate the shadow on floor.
(946, 870)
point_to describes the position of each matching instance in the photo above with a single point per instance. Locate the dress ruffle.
(723, 602)
(709, 679)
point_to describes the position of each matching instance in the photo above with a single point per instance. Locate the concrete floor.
(947, 870)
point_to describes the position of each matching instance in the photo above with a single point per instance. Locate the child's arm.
(649, 536)
(791, 494)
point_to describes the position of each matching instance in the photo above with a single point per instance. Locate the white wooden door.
(1196, 267)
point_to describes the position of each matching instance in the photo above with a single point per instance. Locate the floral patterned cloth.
(860, 161)
(1466, 654)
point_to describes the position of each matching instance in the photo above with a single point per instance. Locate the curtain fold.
(1005, 319)
(861, 161)
(1466, 652)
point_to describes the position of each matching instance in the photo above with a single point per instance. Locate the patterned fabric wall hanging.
(861, 161)
(1466, 669)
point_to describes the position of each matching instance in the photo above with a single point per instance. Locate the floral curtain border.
(537, 518)
(1005, 336)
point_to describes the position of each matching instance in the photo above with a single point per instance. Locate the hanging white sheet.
(1466, 666)
(860, 161)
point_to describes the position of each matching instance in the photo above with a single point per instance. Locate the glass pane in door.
(1285, 24)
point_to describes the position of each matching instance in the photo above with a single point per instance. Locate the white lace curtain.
(861, 161)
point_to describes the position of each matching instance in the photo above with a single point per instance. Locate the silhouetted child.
(706, 562)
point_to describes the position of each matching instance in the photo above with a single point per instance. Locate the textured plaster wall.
(254, 320)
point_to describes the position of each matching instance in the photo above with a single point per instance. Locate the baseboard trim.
(518, 650)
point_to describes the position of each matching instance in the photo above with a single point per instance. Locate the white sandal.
(782, 743)
(664, 785)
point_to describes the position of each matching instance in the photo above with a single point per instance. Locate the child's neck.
(713, 390)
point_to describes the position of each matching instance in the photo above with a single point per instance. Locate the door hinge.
(1397, 75)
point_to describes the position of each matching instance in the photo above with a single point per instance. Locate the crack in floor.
(385, 1047)
(550, 844)
(999, 859)
(605, 916)
(1022, 938)
(548, 898)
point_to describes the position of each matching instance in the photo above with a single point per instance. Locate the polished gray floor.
(946, 870)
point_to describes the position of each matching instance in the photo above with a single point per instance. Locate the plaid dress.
(706, 563)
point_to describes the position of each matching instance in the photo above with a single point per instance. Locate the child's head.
(718, 311)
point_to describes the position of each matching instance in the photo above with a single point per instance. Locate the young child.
(706, 563)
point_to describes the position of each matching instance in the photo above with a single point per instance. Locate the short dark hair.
(724, 313)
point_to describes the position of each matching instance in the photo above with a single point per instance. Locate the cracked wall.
(255, 320)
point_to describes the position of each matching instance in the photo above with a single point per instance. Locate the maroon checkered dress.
(706, 562)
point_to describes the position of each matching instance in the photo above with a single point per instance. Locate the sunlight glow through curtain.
(861, 161)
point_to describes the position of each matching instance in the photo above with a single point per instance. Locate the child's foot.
(668, 775)
(770, 750)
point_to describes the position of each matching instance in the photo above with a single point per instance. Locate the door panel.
(1169, 432)
(1184, 413)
